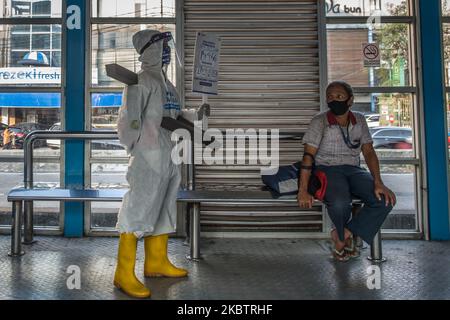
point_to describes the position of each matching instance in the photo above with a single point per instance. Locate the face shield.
(169, 46)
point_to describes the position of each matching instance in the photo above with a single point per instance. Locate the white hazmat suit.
(149, 207)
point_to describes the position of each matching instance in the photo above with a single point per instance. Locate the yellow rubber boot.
(157, 263)
(124, 278)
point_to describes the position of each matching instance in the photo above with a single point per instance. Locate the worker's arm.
(179, 123)
(374, 167)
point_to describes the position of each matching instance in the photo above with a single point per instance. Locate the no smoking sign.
(371, 55)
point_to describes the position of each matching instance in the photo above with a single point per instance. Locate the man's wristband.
(306, 167)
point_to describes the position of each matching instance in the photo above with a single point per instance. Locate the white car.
(392, 137)
(54, 143)
(96, 144)
(373, 120)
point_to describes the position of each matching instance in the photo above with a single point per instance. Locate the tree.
(394, 44)
(395, 53)
(446, 35)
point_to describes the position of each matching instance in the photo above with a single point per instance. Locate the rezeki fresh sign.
(30, 75)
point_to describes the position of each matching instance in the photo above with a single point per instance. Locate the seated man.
(334, 140)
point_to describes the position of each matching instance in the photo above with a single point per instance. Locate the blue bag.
(284, 182)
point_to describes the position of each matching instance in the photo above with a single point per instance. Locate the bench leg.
(187, 240)
(16, 228)
(376, 253)
(28, 223)
(195, 233)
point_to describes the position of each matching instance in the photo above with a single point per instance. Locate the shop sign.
(351, 7)
(21, 75)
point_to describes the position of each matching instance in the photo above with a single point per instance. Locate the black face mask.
(339, 107)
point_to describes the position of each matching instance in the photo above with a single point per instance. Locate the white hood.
(151, 58)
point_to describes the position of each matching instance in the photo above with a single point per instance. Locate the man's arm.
(374, 167)
(305, 200)
(372, 162)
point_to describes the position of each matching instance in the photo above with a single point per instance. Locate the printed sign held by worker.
(206, 63)
(371, 55)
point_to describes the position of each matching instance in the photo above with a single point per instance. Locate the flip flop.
(352, 250)
(340, 256)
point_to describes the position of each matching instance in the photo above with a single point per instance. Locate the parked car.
(21, 130)
(373, 120)
(391, 137)
(54, 143)
(96, 144)
(2, 128)
(16, 136)
(448, 139)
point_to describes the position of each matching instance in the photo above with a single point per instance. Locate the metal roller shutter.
(269, 78)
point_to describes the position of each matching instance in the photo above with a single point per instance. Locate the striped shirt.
(325, 135)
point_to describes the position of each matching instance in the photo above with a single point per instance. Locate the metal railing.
(64, 135)
(28, 164)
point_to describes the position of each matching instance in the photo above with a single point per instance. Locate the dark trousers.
(344, 183)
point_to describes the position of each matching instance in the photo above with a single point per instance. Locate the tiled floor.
(231, 269)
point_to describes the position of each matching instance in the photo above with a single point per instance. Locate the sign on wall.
(353, 7)
(371, 55)
(30, 75)
(206, 63)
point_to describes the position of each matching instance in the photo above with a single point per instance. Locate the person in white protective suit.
(149, 207)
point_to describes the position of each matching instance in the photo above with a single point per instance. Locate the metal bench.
(22, 198)
(195, 198)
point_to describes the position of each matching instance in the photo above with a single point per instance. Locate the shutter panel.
(269, 78)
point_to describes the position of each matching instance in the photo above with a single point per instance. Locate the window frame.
(412, 89)
(89, 89)
(50, 21)
(445, 20)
